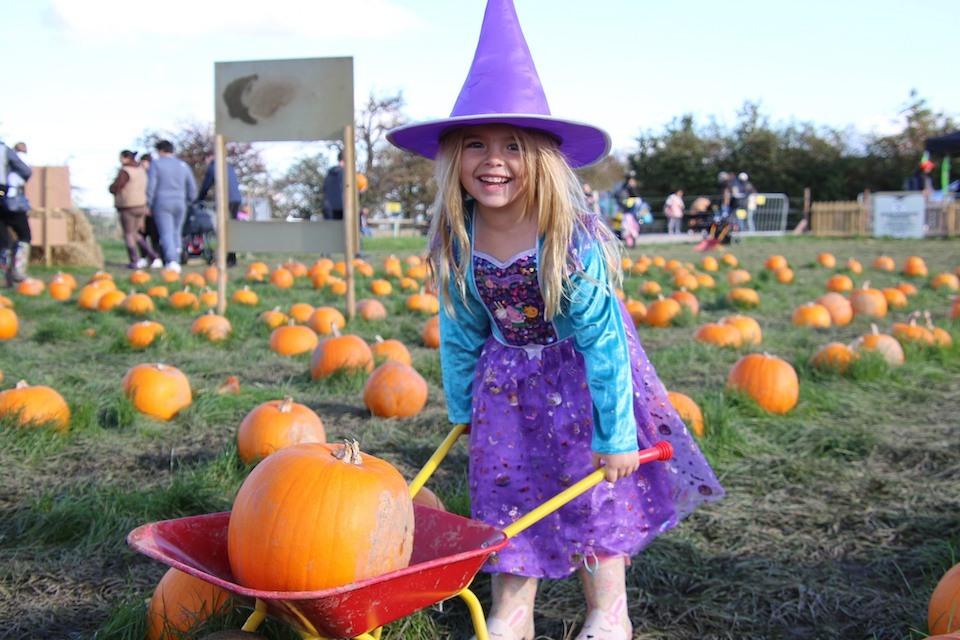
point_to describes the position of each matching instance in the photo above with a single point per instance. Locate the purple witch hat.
(503, 87)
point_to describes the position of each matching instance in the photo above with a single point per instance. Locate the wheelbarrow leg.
(476, 613)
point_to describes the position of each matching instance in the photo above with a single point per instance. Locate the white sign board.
(278, 100)
(899, 214)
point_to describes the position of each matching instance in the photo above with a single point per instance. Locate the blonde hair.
(554, 194)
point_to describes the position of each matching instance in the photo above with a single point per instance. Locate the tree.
(299, 191)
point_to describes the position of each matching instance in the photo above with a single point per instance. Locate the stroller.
(199, 234)
(715, 225)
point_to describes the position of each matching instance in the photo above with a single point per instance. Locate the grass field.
(839, 519)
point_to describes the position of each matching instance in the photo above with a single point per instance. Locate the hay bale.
(82, 248)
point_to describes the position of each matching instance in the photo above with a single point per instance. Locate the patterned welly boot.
(18, 264)
(6, 262)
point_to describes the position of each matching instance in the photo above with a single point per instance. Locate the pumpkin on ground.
(300, 311)
(661, 312)
(318, 516)
(390, 349)
(867, 301)
(395, 390)
(688, 410)
(325, 320)
(770, 381)
(371, 309)
(276, 424)
(687, 301)
(943, 613)
(743, 297)
(184, 299)
(834, 356)
(34, 406)
(340, 352)
(431, 333)
(273, 318)
(180, 602)
(138, 304)
(811, 314)
(749, 328)
(888, 347)
(141, 335)
(157, 390)
(840, 309)
(720, 335)
(9, 323)
(211, 326)
(245, 296)
(293, 339)
(423, 302)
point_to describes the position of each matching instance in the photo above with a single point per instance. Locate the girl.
(537, 352)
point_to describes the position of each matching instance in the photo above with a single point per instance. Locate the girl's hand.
(616, 465)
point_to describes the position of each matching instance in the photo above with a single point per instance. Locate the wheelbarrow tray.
(448, 551)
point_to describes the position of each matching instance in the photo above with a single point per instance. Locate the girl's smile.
(491, 169)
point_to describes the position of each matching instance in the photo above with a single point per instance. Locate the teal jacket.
(590, 316)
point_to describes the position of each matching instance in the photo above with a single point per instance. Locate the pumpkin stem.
(23, 384)
(349, 453)
(286, 405)
(378, 339)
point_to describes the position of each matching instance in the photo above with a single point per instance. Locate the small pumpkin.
(395, 390)
(423, 302)
(737, 277)
(340, 352)
(89, 295)
(180, 602)
(371, 309)
(839, 308)
(911, 332)
(111, 300)
(35, 405)
(748, 327)
(325, 320)
(886, 345)
(946, 280)
(194, 279)
(31, 287)
(281, 278)
(212, 326)
(688, 410)
(431, 333)
(184, 300)
(293, 339)
(141, 335)
(245, 296)
(317, 516)
(276, 424)
(839, 283)
(650, 289)
(784, 275)
(300, 312)
(381, 287)
(914, 266)
(687, 301)
(770, 381)
(834, 356)
(720, 335)
(827, 260)
(743, 298)
(637, 311)
(811, 314)
(884, 263)
(9, 323)
(662, 311)
(140, 277)
(158, 390)
(390, 349)
(138, 304)
(867, 301)
(273, 318)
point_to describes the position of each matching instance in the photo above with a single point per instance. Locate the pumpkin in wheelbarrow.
(317, 516)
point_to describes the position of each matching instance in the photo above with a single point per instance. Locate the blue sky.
(95, 74)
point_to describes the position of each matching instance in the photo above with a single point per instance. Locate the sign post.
(308, 99)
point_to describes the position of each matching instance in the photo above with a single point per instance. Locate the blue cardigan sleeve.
(462, 336)
(593, 316)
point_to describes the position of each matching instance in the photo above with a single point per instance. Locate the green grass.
(839, 519)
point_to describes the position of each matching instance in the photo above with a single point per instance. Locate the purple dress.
(531, 428)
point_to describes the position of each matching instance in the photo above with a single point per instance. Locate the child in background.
(538, 353)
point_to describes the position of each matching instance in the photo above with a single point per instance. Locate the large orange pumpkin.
(317, 516)
(276, 424)
(157, 390)
(771, 382)
(661, 312)
(35, 406)
(943, 613)
(395, 390)
(867, 301)
(180, 602)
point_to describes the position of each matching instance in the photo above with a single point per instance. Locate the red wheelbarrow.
(448, 551)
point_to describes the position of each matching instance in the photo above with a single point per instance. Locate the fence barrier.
(853, 218)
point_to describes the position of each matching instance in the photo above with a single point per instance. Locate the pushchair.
(199, 234)
(715, 225)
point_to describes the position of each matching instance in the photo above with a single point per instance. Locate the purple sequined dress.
(531, 428)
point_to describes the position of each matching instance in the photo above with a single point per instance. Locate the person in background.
(538, 354)
(234, 199)
(333, 191)
(628, 199)
(593, 204)
(149, 230)
(14, 210)
(673, 209)
(171, 188)
(129, 191)
(748, 201)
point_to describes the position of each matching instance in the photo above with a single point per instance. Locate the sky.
(92, 76)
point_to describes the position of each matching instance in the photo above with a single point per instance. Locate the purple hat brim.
(582, 144)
